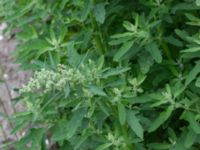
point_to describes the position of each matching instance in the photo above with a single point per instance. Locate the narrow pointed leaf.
(161, 119)
(135, 125)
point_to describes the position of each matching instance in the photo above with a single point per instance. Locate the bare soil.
(12, 79)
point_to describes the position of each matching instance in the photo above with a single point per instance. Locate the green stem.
(97, 36)
(126, 138)
(123, 130)
(168, 54)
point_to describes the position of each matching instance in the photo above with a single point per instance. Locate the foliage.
(110, 74)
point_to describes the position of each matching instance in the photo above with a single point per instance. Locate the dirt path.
(12, 79)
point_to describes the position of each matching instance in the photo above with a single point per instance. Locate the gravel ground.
(12, 79)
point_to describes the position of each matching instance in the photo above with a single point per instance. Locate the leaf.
(191, 50)
(134, 123)
(190, 138)
(193, 73)
(197, 83)
(182, 34)
(115, 71)
(74, 57)
(28, 33)
(194, 125)
(100, 12)
(198, 2)
(161, 119)
(97, 90)
(159, 146)
(152, 48)
(34, 136)
(174, 41)
(121, 113)
(67, 129)
(124, 49)
(100, 62)
(81, 140)
(67, 90)
(86, 9)
(104, 146)
(145, 61)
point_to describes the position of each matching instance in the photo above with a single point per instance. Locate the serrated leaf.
(152, 48)
(123, 50)
(161, 119)
(121, 113)
(193, 73)
(135, 125)
(100, 12)
(97, 90)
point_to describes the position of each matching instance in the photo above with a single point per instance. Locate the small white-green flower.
(47, 80)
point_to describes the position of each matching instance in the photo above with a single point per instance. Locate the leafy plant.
(112, 74)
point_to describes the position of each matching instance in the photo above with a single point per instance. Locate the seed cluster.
(47, 80)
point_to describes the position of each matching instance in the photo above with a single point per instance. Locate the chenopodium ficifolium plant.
(129, 77)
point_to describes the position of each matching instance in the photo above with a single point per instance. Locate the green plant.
(112, 74)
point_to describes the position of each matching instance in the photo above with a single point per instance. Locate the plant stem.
(97, 36)
(168, 54)
(126, 138)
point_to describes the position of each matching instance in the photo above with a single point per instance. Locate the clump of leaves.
(129, 77)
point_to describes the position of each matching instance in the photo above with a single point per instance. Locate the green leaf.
(194, 125)
(174, 41)
(193, 73)
(115, 71)
(68, 129)
(197, 83)
(104, 146)
(86, 9)
(152, 48)
(159, 146)
(81, 140)
(198, 2)
(67, 90)
(97, 90)
(100, 62)
(34, 136)
(190, 138)
(135, 125)
(123, 50)
(145, 61)
(182, 34)
(100, 12)
(121, 113)
(161, 119)
(73, 57)
(190, 50)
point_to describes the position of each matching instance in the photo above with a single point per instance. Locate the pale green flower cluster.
(47, 80)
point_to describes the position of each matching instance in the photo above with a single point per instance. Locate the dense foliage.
(109, 74)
